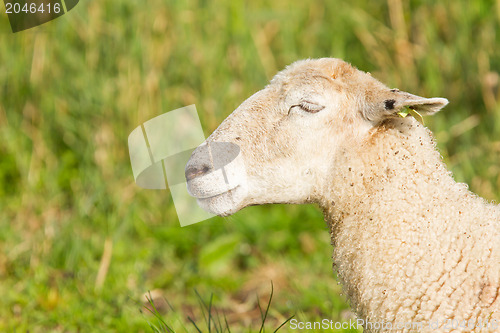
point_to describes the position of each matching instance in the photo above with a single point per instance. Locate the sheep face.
(280, 145)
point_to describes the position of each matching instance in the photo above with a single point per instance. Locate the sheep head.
(279, 145)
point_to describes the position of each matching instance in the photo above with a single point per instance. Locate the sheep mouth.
(227, 193)
(216, 195)
(222, 204)
(206, 195)
(216, 177)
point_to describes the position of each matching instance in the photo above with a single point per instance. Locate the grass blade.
(194, 324)
(283, 324)
(267, 309)
(163, 325)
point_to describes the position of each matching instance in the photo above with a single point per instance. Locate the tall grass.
(80, 244)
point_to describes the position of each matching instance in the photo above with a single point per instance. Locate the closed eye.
(308, 107)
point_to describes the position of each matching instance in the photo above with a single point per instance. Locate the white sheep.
(410, 244)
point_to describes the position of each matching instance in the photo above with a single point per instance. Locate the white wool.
(411, 244)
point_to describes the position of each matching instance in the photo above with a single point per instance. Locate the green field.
(81, 244)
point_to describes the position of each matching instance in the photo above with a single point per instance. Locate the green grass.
(73, 89)
(214, 320)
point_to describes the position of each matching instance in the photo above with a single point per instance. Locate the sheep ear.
(426, 106)
(390, 102)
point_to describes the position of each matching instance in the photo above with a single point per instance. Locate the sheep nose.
(210, 157)
(196, 171)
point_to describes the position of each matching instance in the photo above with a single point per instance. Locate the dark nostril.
(193, 172)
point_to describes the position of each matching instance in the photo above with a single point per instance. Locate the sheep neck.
(393, 168)
(384, 211)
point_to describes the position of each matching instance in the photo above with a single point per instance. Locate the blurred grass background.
(80, 244)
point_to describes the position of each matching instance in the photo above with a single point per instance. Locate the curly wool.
(411, 244)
